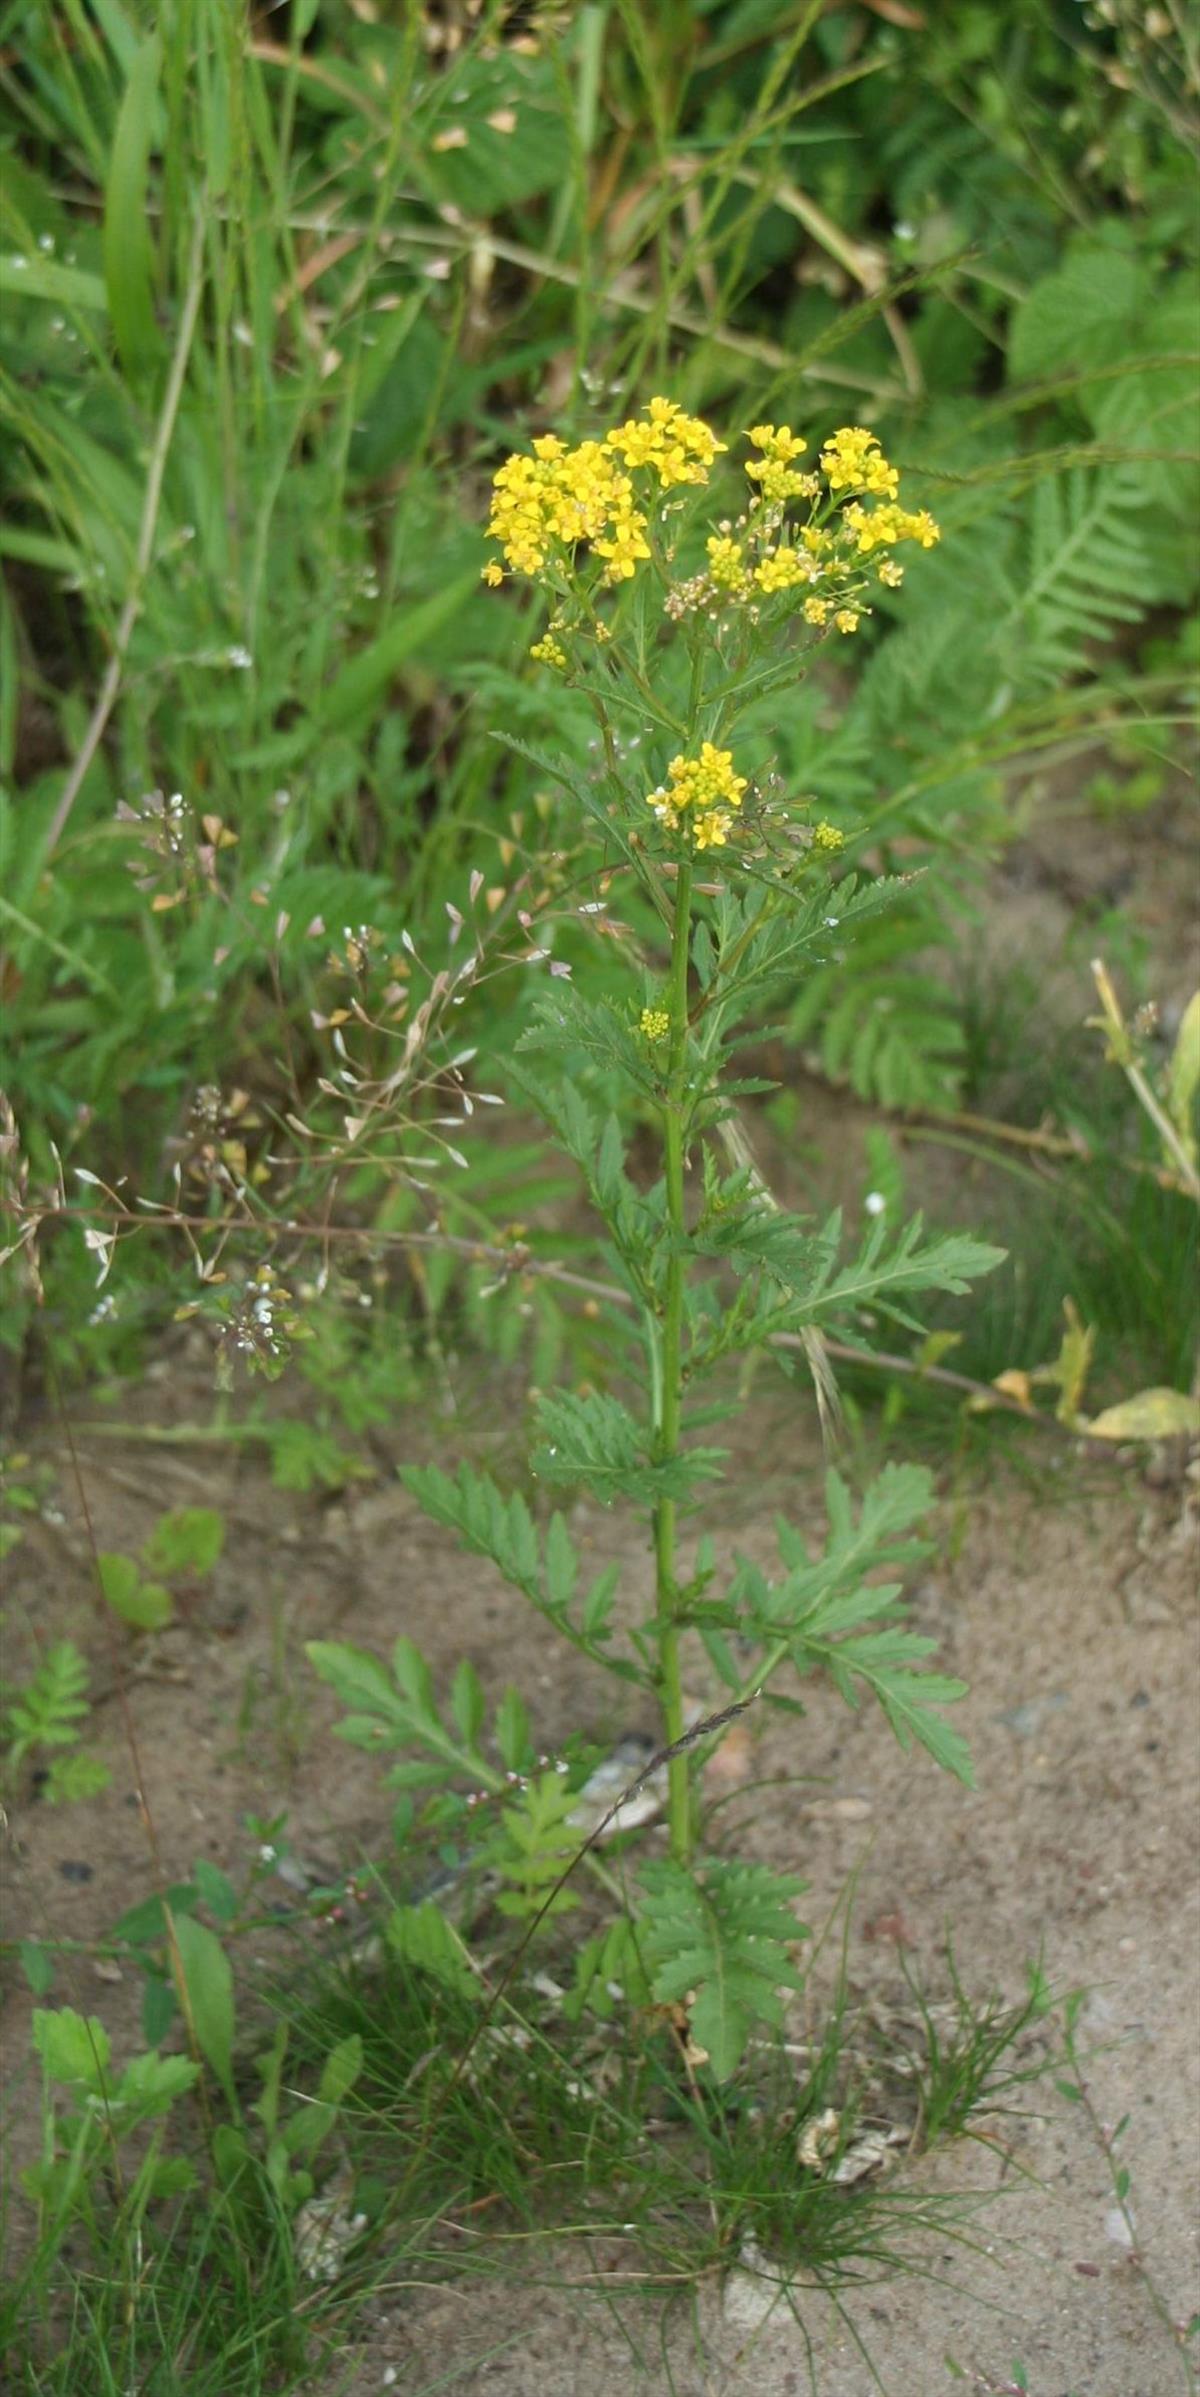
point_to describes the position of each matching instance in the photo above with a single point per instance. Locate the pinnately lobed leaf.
(719, 1938)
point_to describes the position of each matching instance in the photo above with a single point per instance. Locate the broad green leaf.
(37, 1964)
(159, 2007)
(204, 1979)
(143, 1925)
(341, 2070)
(74, 2048)
(128, 250)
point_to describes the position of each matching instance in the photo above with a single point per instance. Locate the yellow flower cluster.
(704, 790)
(655, 1023)
(560, 497)
(774, 472)
(826, 836)
(853, 461)
(680, 448)
(548, 506)
(783, 568)
(822, 556)
(887, 525)
(727, 563)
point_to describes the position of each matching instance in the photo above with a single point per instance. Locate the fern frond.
(48, 1710)
(1085, 574)
(531, 1847)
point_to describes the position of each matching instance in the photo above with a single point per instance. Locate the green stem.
(679, 1808)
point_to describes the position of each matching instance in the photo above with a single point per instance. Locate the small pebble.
(75, 1872)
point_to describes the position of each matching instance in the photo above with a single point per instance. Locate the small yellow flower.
(816, 611)
(890, 573)
(548, 651)
(777, 441)
(888, 525)
(847, 620)
(711, 830)
(773, 472)
(782, 569)
(680, 448)
(655, 1023)
(853, 461)
(827, 836)
(493, 573)
(708, 786)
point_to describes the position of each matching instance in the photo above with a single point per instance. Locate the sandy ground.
(1070, 1607)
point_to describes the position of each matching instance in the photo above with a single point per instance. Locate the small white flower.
(875, 1202)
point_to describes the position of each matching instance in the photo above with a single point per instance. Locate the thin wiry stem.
(106, 697)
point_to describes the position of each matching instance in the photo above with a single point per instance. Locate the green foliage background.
(378, 251)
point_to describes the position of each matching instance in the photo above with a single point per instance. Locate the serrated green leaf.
(75, 2049)
(718, 1937)
(72, 1780)
(598, 1604)
(512, 1730)
(188, 1539)
(47, 1712)
(467, 1702)
(357, 1677)
(594, 1440)
(531, 1846)
(151, 2083)
(562, 1564)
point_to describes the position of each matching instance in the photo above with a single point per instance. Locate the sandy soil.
(1071, 1610)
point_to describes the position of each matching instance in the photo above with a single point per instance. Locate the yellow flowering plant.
(675, 627)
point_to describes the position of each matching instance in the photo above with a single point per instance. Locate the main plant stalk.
(679, 1806)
